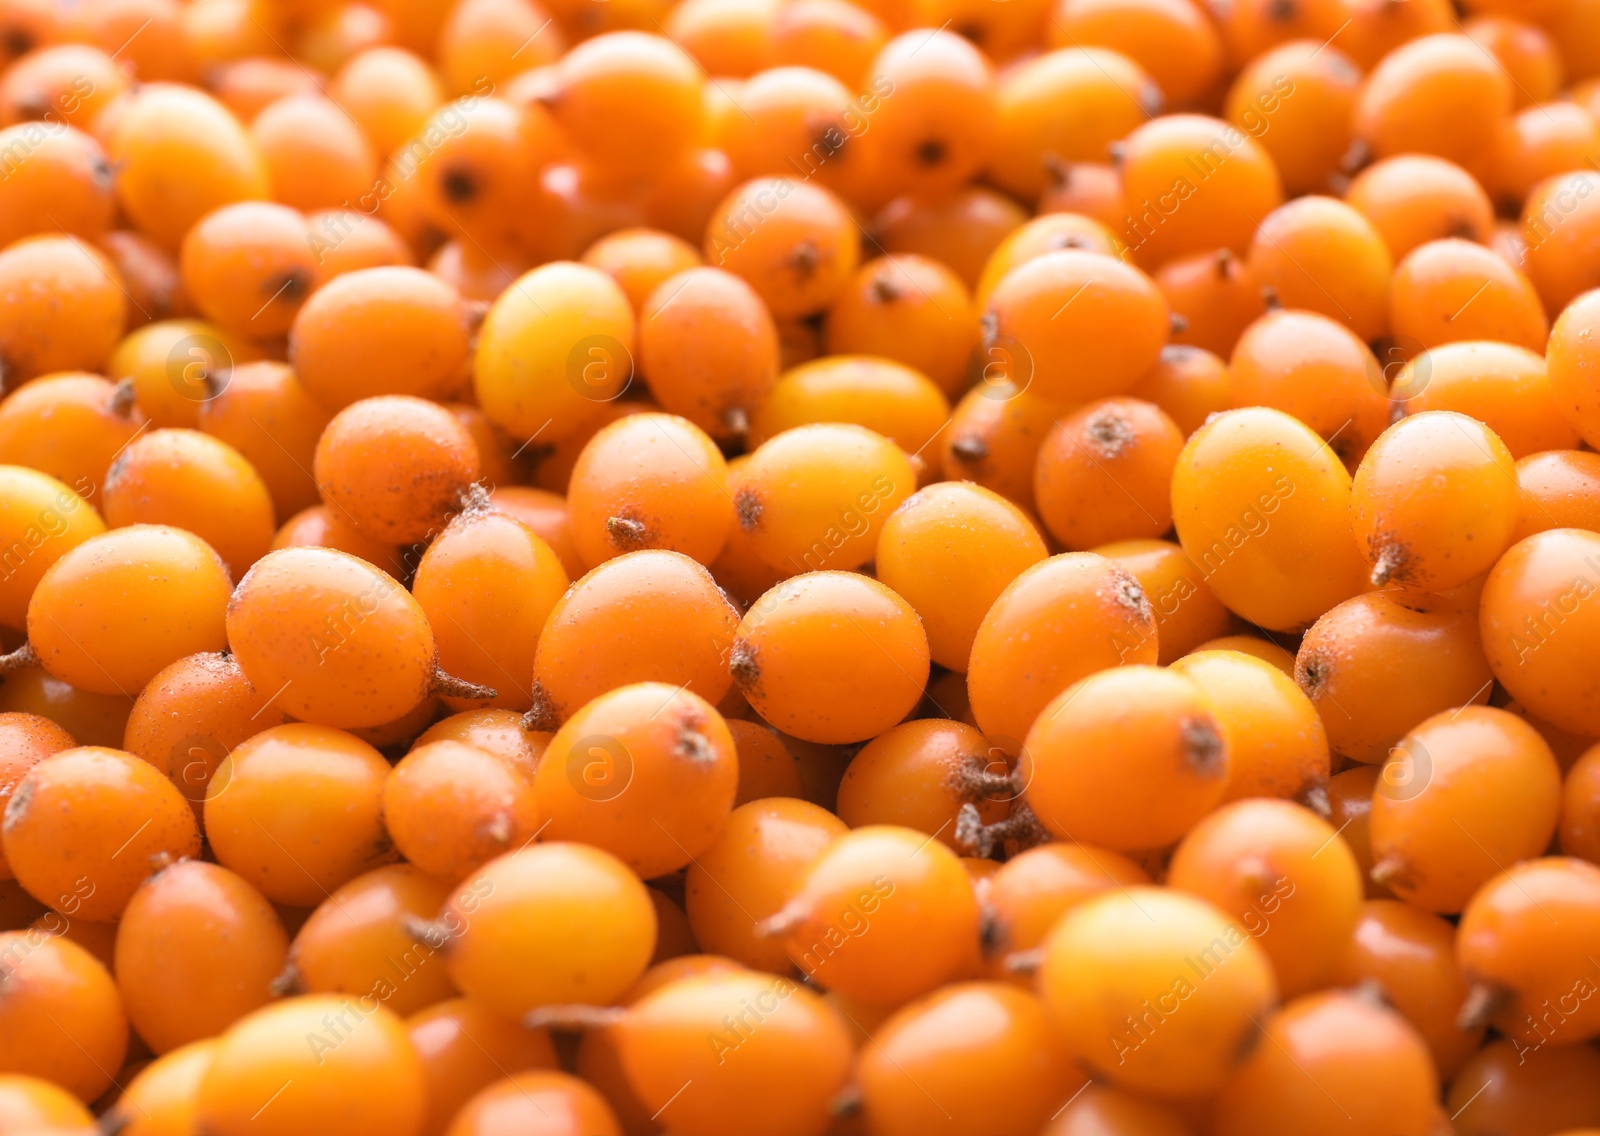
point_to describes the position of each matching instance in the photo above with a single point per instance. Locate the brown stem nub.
(1178, 322)
(123, 398)
(626, 533)
(425, 931)
(1025, 962)
(542, 716)
(1391, 559)
(573, 1017)
(1022, 828)
(846, 1103)
(475, 499)
(1225, 263)
(19, 659)
(452, 687)
(787, 919)
(970, 449)
(1270, 297)
(113, 1120)
(742, 664)
(1483, 1002)
(736, 420)
(287, 982)
(1387, 870)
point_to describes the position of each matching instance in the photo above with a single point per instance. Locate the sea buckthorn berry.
(1128, 758)
(1415, 198)
(1541, 142)
(62, 84)
(500, 732)
(1057, 309)
(297, 810)
(1434, 501)
(41, 520)
(745, 874)
(645, 772)
(477, 158)
(960, 231)
(149, 273)
(1421, 96)
(487, 584)
(1257, 500)
(1069, 105)
(1411, 956)
(197, 949)
(1277, 746)
(174, 365)
(546, 514)
(333, 1056)
(1298, 101)
(1278, 869)
(1194, 183)
(25, 741)
(1021, 658)
(1552, 1094)
(29, 1103)
(1092, 189)
(67, 176)
(708, 348)
(1570, 357)
(1047, 233)
(630, 102)
(1102, 1111)
(464, 1049)
(166, 127)
(784, 1077)
(650, 616)
(949, 550)
(1524, 942)
(555, 1102)
(1559, 489)
(799, 120)
(94, 719)
(1031, 891)
(793, 242)
(482, 43)
(357, 651)
(264, 413)
(1105, 473)
(1503, 386)
(1006, 1079)
(62, 1018)
(249, 266)
(389, 92)
(1534, 618)
(450, 806)
(830, 35)
(910, 309)
(1332, 1060)
(555, 348)
(62, 307)
(650, 481)
(69, 426)
(192, 481)
(1319, 254)
(360, 941)
(1216, 298)
(935, 126)
(1172, 39)
(1578, 831)
(86, 826)
(884, 396)
(920, 774)
(191, 715)
(1155, 991)
(1186, 612)
(883, 915)
(315, 154)
(1559, 229)
(395, 466)
(346, 240)
(767, 767)
(1453, 290)
(116, 609)
(816, 497)
(1318, 370)
(161, 1096)
(641, 260)
(1379, 663)
(379, 331)
(831, 657)
(995, 431)
(549, 924)
(322, 527)
(1434, 838)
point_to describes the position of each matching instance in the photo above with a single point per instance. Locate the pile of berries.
(800, 567)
